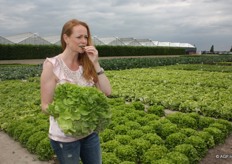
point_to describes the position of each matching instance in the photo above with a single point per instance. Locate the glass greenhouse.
(28, 38)
(35, 39)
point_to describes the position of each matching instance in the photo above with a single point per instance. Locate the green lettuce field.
(165, 114)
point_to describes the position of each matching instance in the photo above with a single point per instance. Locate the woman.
(78, 63)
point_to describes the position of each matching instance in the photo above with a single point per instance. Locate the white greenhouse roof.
(173, 44)
(5, 41)
(27, 38)
(127, 41)
(135, 43)
(107, 40)
(97, 41)
(155, 43)
(186, 45)
(112, 41)
(164, 44)
(20, 37)
(54, 39)
(35, 39)
(145, 42)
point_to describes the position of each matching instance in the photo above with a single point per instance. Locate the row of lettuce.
(9, 72)
(139, 132)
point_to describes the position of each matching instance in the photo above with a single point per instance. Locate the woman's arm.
(47, 85)
(103, 82)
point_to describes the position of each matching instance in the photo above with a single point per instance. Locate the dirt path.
(221, 154)
(26, 61)
(11, 152)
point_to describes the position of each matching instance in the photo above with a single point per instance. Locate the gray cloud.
(201, 22)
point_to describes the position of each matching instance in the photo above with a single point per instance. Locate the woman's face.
(78, 39)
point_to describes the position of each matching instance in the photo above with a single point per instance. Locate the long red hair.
(89, 70)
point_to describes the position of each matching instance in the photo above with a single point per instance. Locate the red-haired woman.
(78, 63)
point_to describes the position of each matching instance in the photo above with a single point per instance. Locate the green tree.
(231, 49)
(212, 49)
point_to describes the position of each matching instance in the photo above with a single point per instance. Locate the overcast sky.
(202, 23)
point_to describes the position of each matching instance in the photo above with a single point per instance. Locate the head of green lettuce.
(80, 110)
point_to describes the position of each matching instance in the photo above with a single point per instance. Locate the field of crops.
(140, 131)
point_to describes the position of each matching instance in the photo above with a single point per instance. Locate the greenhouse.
(163, 44)
(35, 39)
(97, 41)
(146, 42)
(28, 38)
(55, 39)
(130, 42)
(113, 41)
(5, 41)
(155, 43)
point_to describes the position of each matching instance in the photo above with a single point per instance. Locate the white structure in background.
(155, 43)
(28, 38)
(146, 42)
(35, 39)
(174, 44)
(53, 39)
(163, 44)
(186, 45)
(112, 41)
(97, 41)
(5, 41)
(130, 42)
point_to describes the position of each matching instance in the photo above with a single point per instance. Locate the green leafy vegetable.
(80, 110)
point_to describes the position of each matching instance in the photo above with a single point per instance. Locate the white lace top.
(64, 74)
